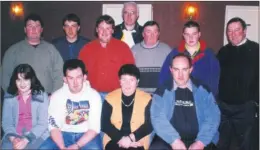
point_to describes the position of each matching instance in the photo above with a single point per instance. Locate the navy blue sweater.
(206, 67)
(69, 50)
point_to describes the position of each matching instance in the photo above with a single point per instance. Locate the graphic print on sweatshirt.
(77, 112)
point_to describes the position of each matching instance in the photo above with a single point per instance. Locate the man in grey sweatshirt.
(41, 55)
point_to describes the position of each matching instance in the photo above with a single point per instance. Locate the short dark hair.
(34, 17)
(108, 19)
(73, 64)
(182, 55)
(28, 73)
(190, 24)
(71, 17)
(129, 69)
(237, 19)
(151, 23)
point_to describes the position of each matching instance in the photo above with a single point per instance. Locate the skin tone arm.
(57, 138)
(87, 137)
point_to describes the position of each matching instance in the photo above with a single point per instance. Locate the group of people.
(128, 90)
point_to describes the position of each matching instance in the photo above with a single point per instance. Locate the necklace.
(128, 104)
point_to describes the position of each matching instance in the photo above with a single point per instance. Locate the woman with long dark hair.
(25, 111)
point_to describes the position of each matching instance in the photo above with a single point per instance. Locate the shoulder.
(84, 39)
(137, 47)
(120, 44)
(15, 47)
(143, 95)
(118, 27)
(58, 94)
(199, 87)
(254, 45)
(58, 40)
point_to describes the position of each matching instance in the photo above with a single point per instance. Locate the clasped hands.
(18, 143)
(179, 145)
(128, 141)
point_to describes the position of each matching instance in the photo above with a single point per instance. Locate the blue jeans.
(103, 95)
(70, 138)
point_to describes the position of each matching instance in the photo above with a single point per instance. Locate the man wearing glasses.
(129, 30)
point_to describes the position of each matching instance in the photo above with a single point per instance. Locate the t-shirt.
(184, 118)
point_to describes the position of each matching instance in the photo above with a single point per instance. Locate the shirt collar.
(189, 86)
(242, 42)
(149, 47)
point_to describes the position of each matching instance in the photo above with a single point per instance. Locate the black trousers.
(160, 144)
(114, 146)
(236, 123)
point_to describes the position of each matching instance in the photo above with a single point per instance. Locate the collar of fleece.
(201, 54)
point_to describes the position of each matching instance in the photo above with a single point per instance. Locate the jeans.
(70, 138)
(103, 95)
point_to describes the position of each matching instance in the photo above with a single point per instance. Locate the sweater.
(69, 50)
(44, 59)
(205, 67)
(103, 64)
(239, 78)
(77, 113)
(149, 61)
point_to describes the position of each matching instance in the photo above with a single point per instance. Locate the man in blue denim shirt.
(184, 114)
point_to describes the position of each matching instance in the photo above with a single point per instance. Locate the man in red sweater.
(104, 56)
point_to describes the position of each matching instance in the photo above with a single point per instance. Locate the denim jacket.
(39, 108)
(207, 111)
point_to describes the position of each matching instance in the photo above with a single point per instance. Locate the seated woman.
(126, 114)
(25, 111)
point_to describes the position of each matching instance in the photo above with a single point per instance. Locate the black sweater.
(113, 132)
(239, 75)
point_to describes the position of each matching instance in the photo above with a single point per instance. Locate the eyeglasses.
(129, 12)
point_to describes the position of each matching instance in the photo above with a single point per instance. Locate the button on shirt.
(25, 116)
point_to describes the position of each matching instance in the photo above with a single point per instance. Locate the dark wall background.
(167, 14)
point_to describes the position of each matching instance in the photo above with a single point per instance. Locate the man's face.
(130, 15)
(191, 36)
(33, 30)
(104, 32)
(151, 34)
(75, 79)
(71, 29)
(235, 33)
(181, 71)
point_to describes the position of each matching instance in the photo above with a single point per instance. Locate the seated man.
(74, 112)
(184, 114)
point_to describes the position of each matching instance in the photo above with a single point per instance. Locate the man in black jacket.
(129, 30)
(238, 87)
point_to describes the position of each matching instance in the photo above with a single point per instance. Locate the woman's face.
(128, 84)
(23, 85)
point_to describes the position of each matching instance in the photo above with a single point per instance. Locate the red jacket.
(103, 64)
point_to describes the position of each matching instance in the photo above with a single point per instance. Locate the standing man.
(75, 123)
(205, 64)
(129, 30)
(238, 86)
(41, 55)
(104, 56)
(149, 56)
(184, 114)
(70, 45)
